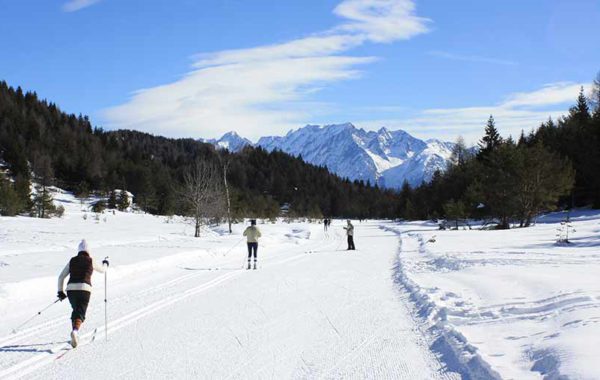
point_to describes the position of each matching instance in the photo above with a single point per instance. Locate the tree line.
(41, 144)
(511, 181)
(503, 180)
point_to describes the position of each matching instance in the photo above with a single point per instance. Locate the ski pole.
(231, 249)
(14, 331)
(105, 301)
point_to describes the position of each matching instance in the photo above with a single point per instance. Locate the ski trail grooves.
(332, 315)
(53, 323)
(41, 359)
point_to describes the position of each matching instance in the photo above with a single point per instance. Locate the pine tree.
(497, 185)
(455, 210)
(580, 113)
(83, 190)
(22, 188)
(491, 140)
(99, 206)
(542, 177)
(9, 199)
(43, 203)
(595, 132)
(409, 210)
(112, 200)
(595, 99)
(123, 201)
(522, 139)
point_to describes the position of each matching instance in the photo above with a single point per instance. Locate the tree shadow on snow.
(574, 242)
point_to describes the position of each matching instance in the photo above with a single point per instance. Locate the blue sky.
(202, 68)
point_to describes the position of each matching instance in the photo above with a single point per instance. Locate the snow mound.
(453, 348)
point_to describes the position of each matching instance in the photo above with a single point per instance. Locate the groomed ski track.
(311, 311)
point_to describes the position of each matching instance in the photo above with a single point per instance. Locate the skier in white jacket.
(252, 234)
(350, 233)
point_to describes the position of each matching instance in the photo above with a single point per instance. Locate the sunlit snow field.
(509, 303)
(525, 302)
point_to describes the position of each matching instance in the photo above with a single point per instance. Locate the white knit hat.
(83, 246)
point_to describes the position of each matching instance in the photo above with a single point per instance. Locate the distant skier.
(350, 233)
(325, 224)
(79, 287)
(252, 234)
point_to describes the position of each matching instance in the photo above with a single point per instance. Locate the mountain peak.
(230, 141)
(385, 157)
(230, 134)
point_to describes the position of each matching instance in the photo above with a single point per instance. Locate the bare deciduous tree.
(225, 166)
(202, 193)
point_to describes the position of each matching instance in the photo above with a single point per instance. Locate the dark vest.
(81, 269)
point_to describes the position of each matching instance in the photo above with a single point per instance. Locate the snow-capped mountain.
(385, 157)
(230, 141)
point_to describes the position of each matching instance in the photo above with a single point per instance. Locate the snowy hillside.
(385, 157)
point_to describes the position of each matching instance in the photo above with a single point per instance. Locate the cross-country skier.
(350, 233)
(252, 234)
(79, 287)
(325, 224)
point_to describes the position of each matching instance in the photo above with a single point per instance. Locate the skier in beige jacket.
(252, 234)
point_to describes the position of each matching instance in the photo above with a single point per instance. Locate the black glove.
(105, 262)
(61, 295)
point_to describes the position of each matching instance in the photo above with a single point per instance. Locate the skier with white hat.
(79, 287)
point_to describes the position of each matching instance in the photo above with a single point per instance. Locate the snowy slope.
(434, 156)
(181, 307)
(230, 141)
(515, 299)
(385, 157)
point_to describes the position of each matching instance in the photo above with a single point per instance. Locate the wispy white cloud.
(471, 58)
(551, 94)
(318, 45)
(251, 98)
(381, 20)
(519, 111)
(266, 89)
(75, 5)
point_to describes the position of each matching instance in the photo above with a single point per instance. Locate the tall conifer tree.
(491, 140)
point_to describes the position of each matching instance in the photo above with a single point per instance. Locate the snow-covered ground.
(482, 304)
(527, 306)
(181, 307)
